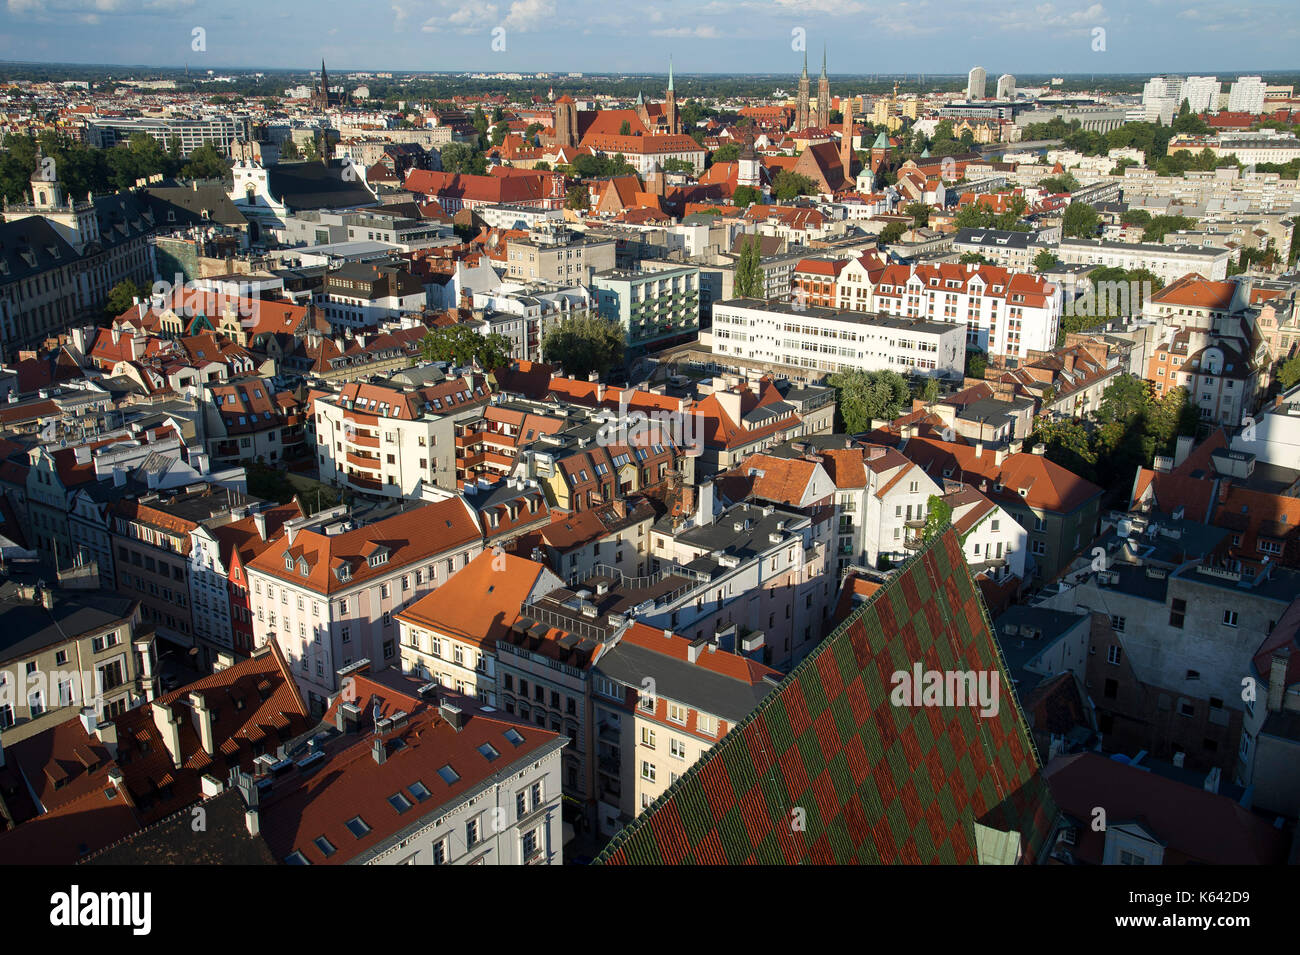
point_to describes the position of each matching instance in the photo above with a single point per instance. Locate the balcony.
(361, 460)
(913, 541)
(362, 482)
(362, 440)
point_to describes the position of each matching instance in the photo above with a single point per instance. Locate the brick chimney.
(1277, 678)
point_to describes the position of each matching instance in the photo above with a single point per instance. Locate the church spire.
(823, 59)
(805, 63)
(670, 73)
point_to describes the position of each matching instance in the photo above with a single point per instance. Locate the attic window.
(357, 826)
(513, 737)
(488, 752)
(296, 858)
(400, 802)
(288, 562)
(419, 790)
(377, 560)
(324, 845)
(449, 775)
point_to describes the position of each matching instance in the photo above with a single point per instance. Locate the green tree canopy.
(1045, 260)
(1080, 220)
(584, 343)
(867, 395)
(461, 345)
(746, 195)
(750, 281)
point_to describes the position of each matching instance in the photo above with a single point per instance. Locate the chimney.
(169, 725)
(259, 521)
(379, 751)
(203, 722)
(999, 455)
(106, 733)
(1277, 668)
(89, 720)
(453, 714)
(1039, 448)
(704, 509)
(695, 649)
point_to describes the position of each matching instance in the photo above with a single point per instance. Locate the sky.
(1223, 37)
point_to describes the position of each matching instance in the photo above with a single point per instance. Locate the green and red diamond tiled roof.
(876, 783)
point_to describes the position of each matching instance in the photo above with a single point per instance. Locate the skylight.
(357, 826)
(488, 752)
(512, 736)
(399, 802)
(324, 845)
(419, 790)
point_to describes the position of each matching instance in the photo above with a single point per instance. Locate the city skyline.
(728, 35)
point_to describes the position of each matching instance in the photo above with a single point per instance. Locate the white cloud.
(701, 32)
(527, 15)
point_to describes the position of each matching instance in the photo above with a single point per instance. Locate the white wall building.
(831, 340)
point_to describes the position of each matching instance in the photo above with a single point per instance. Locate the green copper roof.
(828, 770)
(882, 141)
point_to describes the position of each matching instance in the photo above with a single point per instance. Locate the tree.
(892, 233)
(499, 132)
(1045, 260)
(206, 163)
(1160, 226)
(1062, 183)
(920, 213)
(789, 184)
(121, 297)
(577, 198)
(938, 516)
(1289, 374)
(625, 129)
(1135, 217)
(1080, 220)
(462, 158)
(930, 392)
(584, 343)
(973, 258)
(976, 363)
(867, 395)
(461, 345)
(746, 195)
(289, 150)
(728, 153)
(750, 281)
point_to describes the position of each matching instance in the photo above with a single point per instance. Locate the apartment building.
(654, 309)
(328, 590)
(64, 650)
(361, 295)
(661, 702)
(558, 255)
(390, 439)
(1057, 508)
(415, 779)
(1186, 706)
(1267, 758)
(217, 561)
(789, 334)
(449, 636)
(246, 419)
(1015, 251)
(188, 134)
(1168, 262)
(152, 540)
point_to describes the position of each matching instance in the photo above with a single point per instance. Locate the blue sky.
(863, 36)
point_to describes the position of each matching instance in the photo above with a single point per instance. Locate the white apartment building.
(993, 542)
(1247, 95)
(328, 590)
(826, 339)
(393, 440)
(881, 503)
(1202, 93)
(1168, 262)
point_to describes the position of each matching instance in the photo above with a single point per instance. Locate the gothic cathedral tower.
(823, 96)
(670, 102)
(801, 113)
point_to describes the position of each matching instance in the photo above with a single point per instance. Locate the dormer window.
(378, 560)
(288, 562)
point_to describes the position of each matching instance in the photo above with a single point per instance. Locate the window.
(1113, 654)
(1117, 623)
(325, 846)
(528, 844)
(677, 748)
(1130, 858)
(1177, 612)
(357, 826)
(677, 713)
(1229, 618)
(471, 833)
(449, 775)
(647, 737)
(440, 852)
(706, 724)
(647, 770)
(399, 802)
(419, 790)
